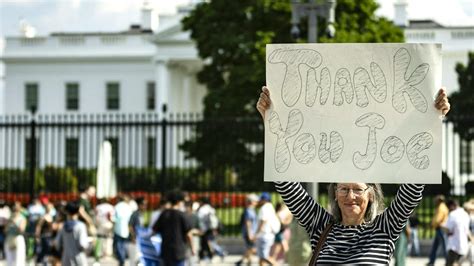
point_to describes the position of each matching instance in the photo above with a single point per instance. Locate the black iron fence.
(56, 155)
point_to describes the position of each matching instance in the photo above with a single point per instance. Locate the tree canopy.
(231, 37)
(462, 101)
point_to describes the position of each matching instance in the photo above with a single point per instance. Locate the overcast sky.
(115, 15)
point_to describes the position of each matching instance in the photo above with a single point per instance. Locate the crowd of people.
(266, 233)
(68, 233)
(179, 231)
(184, 232)
(453, 240)
(454, 231)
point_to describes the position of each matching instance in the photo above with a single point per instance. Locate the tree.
(231, 38)
(462, 101)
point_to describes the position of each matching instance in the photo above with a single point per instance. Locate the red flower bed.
(217, 199)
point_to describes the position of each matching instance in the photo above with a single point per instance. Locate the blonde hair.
(375, 206)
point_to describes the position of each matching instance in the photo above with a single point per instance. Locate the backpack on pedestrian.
(214, 223)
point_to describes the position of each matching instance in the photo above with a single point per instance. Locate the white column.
(187, 108)
(162, 84)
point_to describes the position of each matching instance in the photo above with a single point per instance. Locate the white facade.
(176, 64)
(456, 44)
(132, 59)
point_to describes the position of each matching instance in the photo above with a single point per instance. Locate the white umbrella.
(106, 182)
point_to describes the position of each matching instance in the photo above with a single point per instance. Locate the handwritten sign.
(353, 113)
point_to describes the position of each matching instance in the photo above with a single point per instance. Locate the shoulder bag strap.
(320, 244)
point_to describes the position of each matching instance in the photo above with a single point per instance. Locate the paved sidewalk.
(231, 259)
(411, 261)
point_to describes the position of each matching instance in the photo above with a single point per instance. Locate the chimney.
(149, 17)
(401, 14)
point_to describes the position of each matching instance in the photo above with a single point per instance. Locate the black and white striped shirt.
(368, 243)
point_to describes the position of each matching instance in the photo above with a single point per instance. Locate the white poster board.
(353, 113)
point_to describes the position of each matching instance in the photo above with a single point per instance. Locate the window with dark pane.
(31, 96)
(150, 95)
(72, 96)
(72, 152)
(151, 152)
(113, 96)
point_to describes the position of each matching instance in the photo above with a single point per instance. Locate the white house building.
(140, 70)
(133, 71)
(103, 77)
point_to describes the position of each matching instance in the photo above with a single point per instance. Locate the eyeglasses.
(344, 191)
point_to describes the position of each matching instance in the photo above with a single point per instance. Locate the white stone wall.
(92, 61)
(91, 77)
(456, 43)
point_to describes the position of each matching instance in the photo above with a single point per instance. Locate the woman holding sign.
(359, 230)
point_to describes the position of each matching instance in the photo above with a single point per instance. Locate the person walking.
(141, 246)
(359, 229)
(249, 223)
(44, 234)
(86, 212)
(123, 211)
(469, 207)
(440, 217)
(280, 247)
(36, 210)
(58, 223)
(5, 214)
(401, 246)
(457, 228)
(71, 239)
(209, 227)
(15, 246)
(175, 228)
(414, 243)
(268, 226)
(191, 211)
(104, 213)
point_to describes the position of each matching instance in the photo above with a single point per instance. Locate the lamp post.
(312, 9)
(32, 154)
